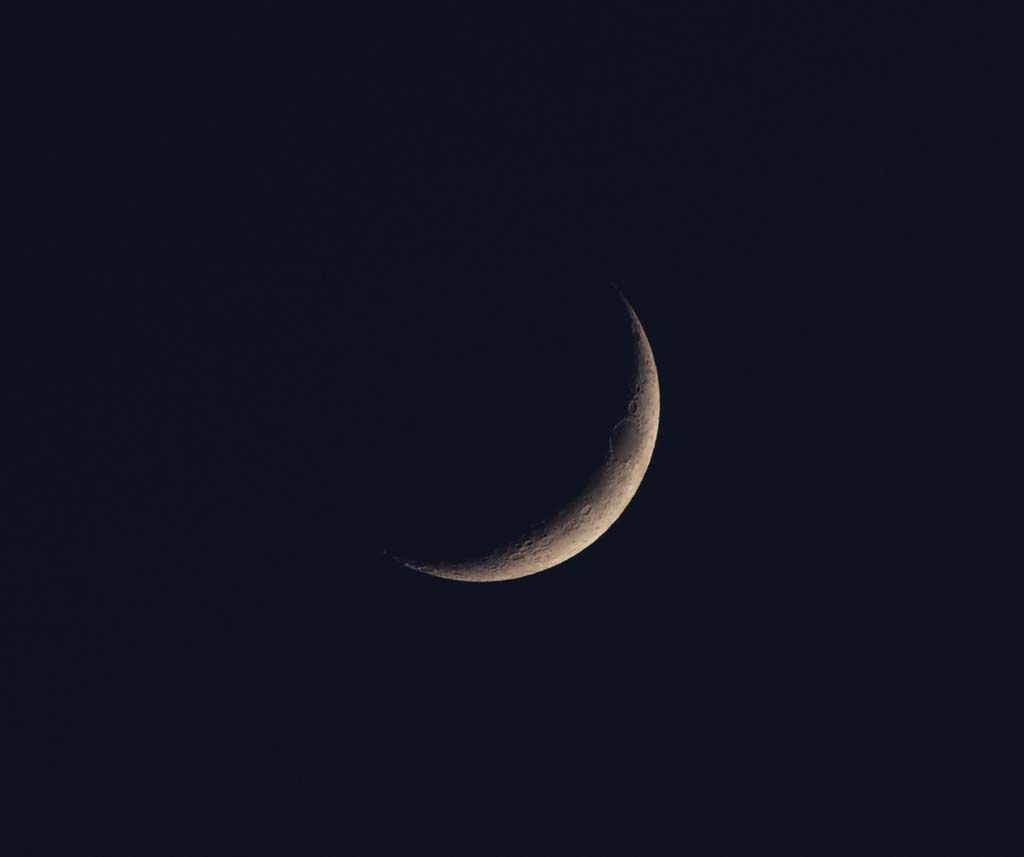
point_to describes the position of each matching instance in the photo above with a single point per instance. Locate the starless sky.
(297, 291)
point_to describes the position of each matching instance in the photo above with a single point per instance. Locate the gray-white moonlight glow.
(589, 515)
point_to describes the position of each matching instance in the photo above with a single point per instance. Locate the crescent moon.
(588, 516)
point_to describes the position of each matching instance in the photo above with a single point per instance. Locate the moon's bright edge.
(588, 516)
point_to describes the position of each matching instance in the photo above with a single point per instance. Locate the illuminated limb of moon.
(589, 515)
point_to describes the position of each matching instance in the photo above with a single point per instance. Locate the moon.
(584, 519)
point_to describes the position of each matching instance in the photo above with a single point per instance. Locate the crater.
(626, 439)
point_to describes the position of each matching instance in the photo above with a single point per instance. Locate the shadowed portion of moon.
(584, 519)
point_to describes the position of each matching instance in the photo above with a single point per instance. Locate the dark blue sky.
(290, 287)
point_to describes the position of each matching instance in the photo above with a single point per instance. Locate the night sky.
(297, 290)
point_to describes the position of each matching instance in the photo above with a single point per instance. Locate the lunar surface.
(604, 498)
